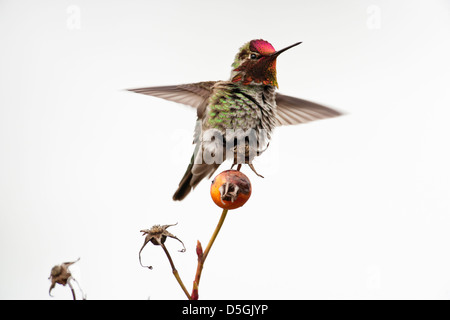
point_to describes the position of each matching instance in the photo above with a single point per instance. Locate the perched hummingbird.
(247, 102)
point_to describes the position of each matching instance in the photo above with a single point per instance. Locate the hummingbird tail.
(185, 185)
(194, 174)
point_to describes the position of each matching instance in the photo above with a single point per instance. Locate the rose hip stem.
(202, 255)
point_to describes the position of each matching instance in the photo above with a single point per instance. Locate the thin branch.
(83, 295)
(203, 254)
(216, 232)
(72, 290)
(175, 272)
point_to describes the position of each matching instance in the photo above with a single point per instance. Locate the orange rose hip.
(231, 189)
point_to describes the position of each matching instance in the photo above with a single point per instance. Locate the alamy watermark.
(373, 21)
(212, 146)
(73, 21)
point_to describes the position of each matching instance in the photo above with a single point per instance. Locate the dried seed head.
(60, 274)
(56, 271)
(157, 235)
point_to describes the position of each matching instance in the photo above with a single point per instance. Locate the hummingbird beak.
(277, 53)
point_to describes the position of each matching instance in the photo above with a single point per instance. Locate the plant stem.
(175, 272)
(72, 290)
(202, 255)
(216, 232)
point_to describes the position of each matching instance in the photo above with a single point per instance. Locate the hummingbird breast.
(239, 113)
(233, 106)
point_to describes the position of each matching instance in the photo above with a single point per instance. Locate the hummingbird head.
(255, 63)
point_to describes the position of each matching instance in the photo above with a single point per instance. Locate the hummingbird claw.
(254, 170)
(258, 153)
(229, 192)
(238, 167)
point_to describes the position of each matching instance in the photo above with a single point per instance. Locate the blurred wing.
(292, 110)
(193, 94)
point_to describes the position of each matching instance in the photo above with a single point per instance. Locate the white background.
(355, 207)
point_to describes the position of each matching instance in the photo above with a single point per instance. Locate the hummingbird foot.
(254, 170)
(229, 192)
(258, 153)
(238, 167)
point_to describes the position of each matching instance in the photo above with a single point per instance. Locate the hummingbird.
(246, 105)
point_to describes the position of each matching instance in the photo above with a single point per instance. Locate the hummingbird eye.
(253, 56)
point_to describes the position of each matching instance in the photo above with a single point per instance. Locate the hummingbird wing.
(195, 95)
(192, 94)
(292, 110)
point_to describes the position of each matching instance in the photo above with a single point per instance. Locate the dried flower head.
(158, 235)
(60, 274)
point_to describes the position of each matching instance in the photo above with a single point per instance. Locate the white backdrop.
(355, 207)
